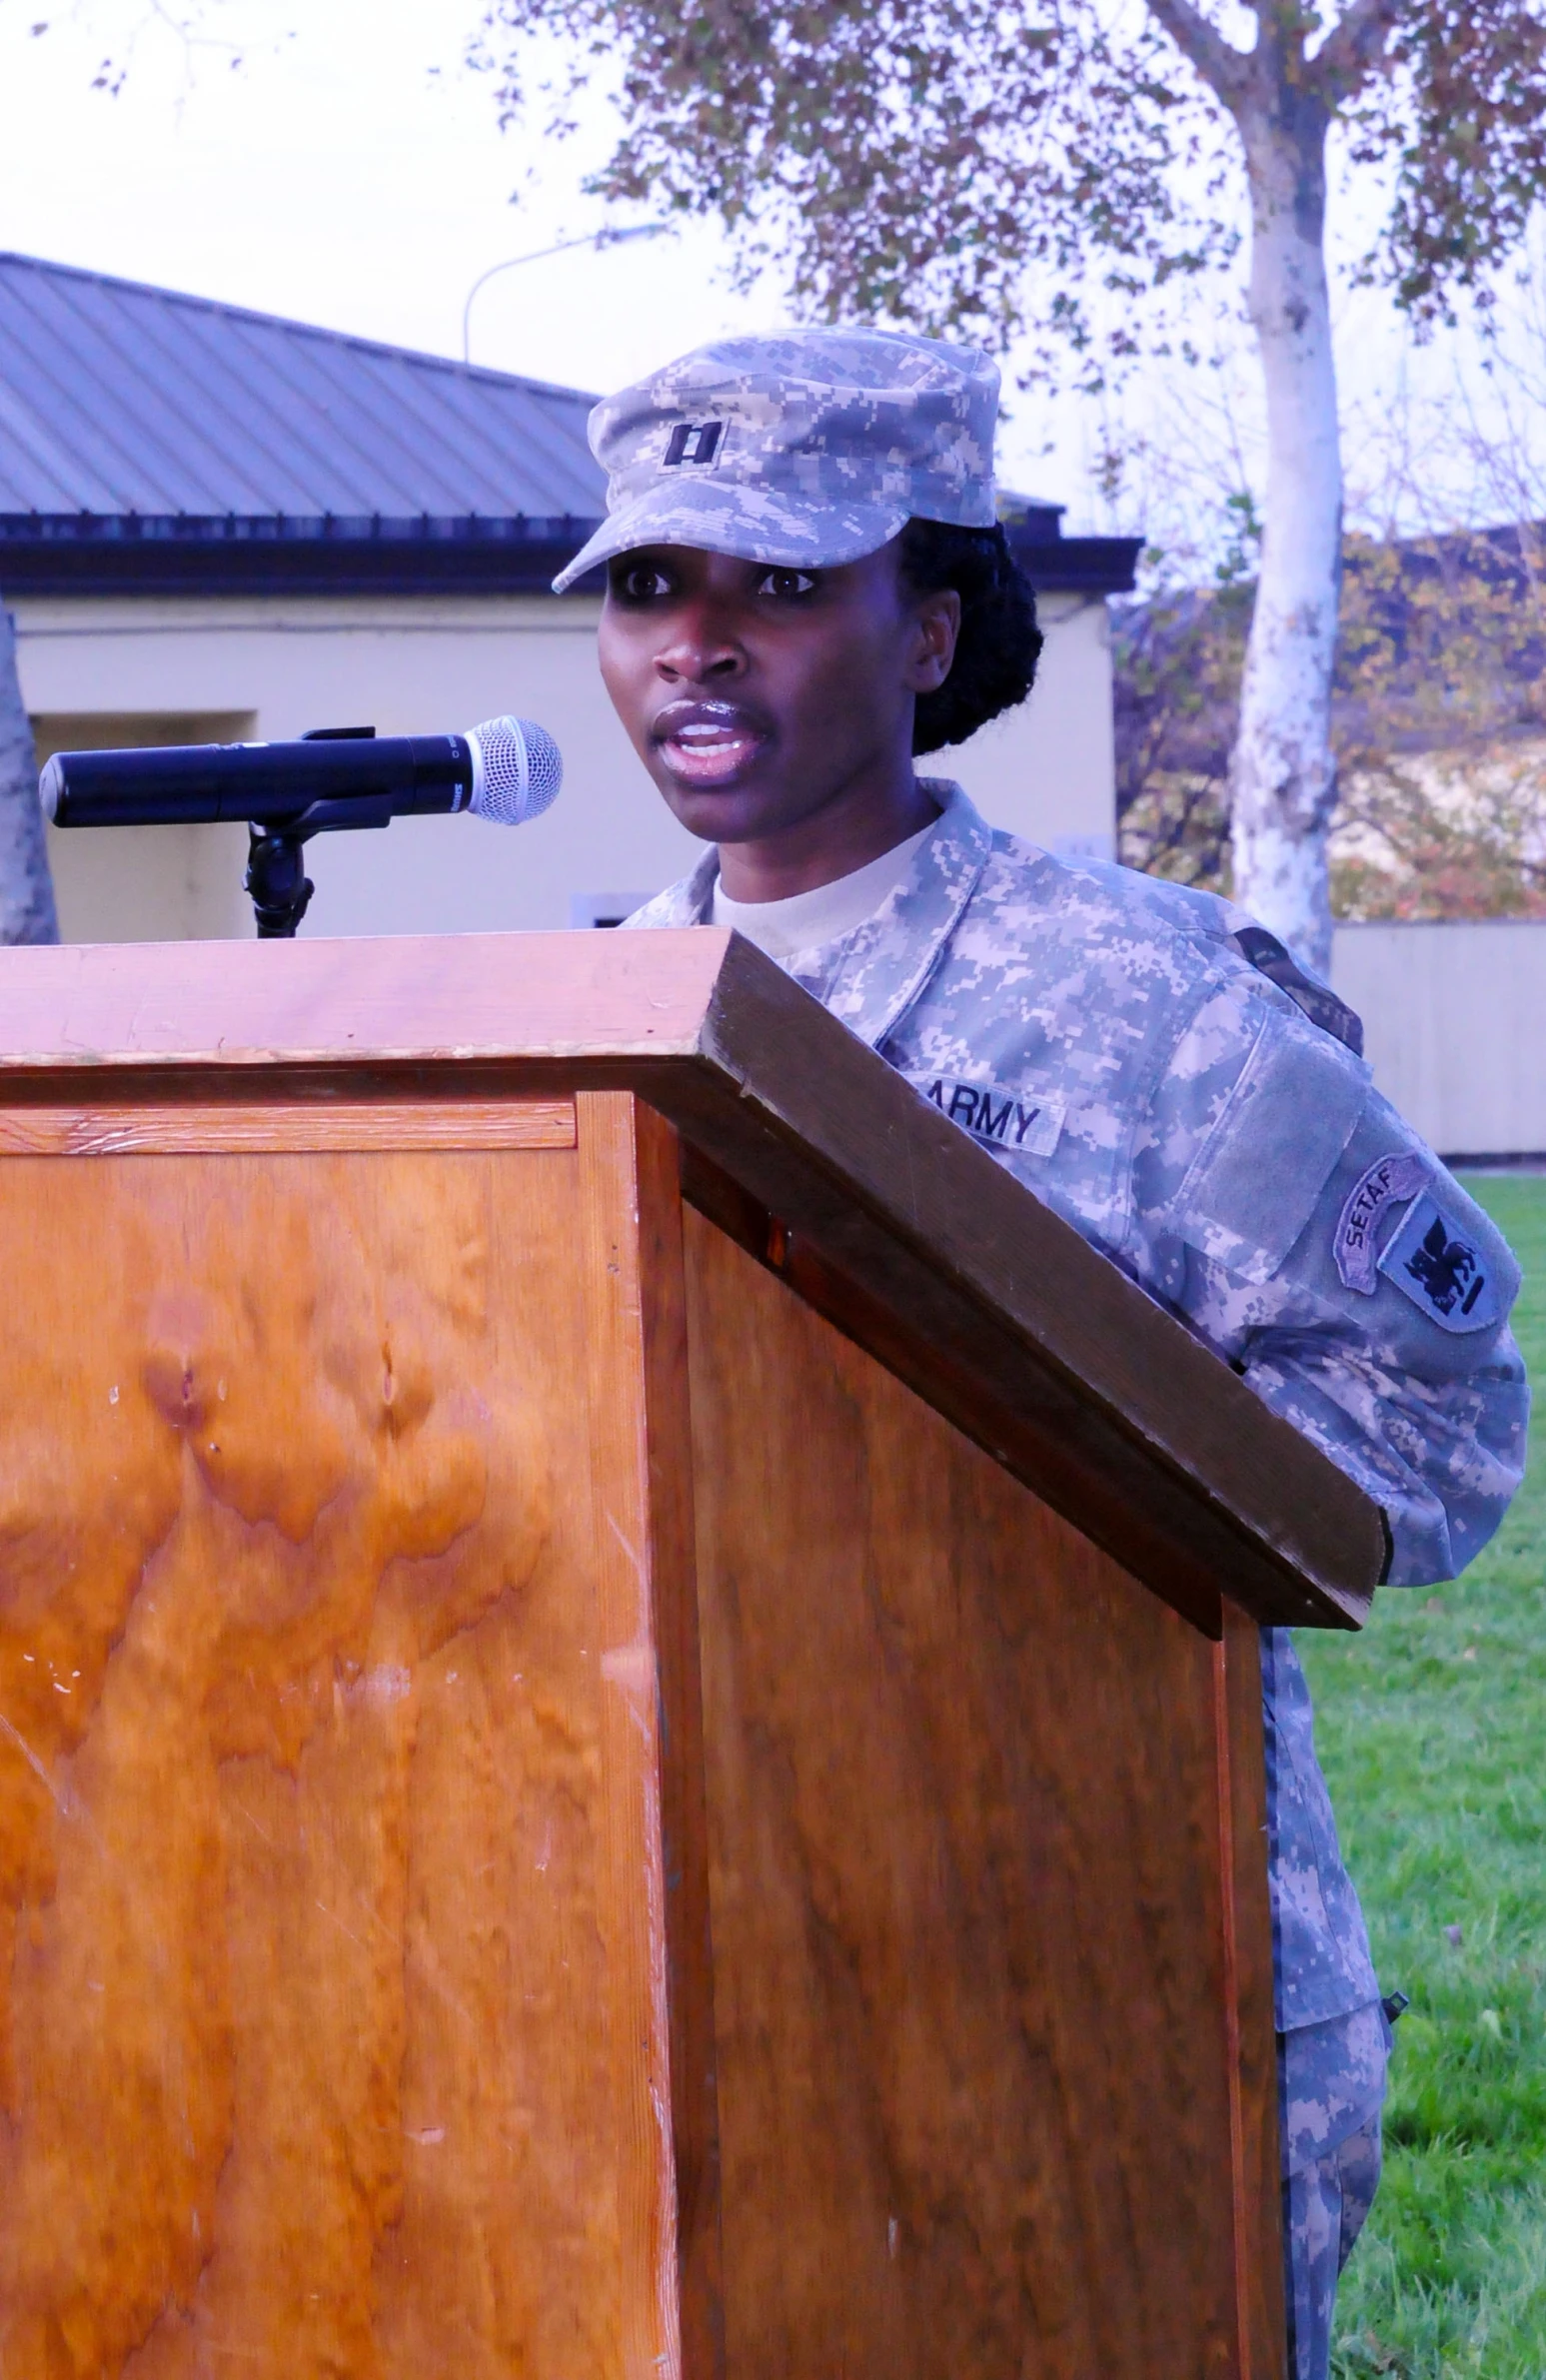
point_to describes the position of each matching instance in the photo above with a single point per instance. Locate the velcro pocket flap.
(1253, 1185)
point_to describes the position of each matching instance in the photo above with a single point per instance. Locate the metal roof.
(120, 399)
(151, 443)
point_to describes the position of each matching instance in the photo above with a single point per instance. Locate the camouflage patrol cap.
(805, 447)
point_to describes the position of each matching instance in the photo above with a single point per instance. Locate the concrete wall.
(97, 671)
(1455, 1026)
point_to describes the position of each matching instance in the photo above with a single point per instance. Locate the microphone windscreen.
(517, 771)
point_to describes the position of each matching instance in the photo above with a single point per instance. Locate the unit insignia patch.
(1434, 1261)
(1001, 1119)
(1384, 1184)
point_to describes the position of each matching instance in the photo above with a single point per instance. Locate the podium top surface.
(881, 1211)
(418, 999)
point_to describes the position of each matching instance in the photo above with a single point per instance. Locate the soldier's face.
(759, 697)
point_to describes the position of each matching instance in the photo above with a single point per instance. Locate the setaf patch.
(1383, 1185)
(1001, 1119)
(1435, 1262)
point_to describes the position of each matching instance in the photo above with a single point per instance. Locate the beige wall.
(1049, 770)
(1455, 1027)
(123, 668)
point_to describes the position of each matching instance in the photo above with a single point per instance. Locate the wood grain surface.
(1055, 1334)
(655, 1182)
(232, 1127)
(1257, 2152)
(963, 1368)
(330, 2030)
(984, 2108)
(654, 1911)
(1102, 1403)
(558, 1820)
(432, 997)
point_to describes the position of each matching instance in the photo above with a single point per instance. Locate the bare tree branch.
(1353, 50)
(1225, 70)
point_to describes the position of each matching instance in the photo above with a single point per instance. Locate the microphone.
(507, 771)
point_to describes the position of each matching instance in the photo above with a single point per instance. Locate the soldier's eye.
(785, 584)
(638, 582)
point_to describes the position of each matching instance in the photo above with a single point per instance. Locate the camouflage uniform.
(1102, 1035)
(1106, 1037)
(1331, 2080)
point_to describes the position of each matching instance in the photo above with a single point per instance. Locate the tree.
(1438, 725)
(1070, 168)
(27, 910)
(1176, 666)
(26, 888)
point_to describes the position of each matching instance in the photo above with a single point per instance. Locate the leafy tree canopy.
(987, 165)
(1438, 718)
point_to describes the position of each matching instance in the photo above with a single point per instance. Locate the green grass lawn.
(1432, 1731)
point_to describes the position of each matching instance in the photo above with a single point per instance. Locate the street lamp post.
(607, 236)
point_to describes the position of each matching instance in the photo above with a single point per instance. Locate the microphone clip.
(277, 880)
(279, 888)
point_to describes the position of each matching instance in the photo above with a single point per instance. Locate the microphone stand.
(276, 877)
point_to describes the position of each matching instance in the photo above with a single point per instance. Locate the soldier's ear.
(937, 619)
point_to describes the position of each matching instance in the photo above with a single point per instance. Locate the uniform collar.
(880, 969)
(687, 902)
(885, 963)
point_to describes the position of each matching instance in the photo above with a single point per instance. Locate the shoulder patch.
(1439, 1265)
(1385, 1183)
(1015, 1122)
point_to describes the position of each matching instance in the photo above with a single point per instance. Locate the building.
(217, 526)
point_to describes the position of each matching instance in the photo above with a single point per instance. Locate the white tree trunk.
(1283, 777)
(26, 888)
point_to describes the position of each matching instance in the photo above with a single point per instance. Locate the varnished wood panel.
(981, 2107)
(325, 1757)
(961, 1373)
(198, 1129)
(1257, 2152)
(655, 1186)
(655, 1906)
(1104, 1402)
(453, 998)
(1053, 1333)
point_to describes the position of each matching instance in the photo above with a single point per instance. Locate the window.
(146, 883)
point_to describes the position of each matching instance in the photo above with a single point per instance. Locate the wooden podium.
(629, 1711)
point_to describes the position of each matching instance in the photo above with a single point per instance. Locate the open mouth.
(708, 744)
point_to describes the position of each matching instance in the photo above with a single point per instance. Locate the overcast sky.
(352, 173)
(337, 177)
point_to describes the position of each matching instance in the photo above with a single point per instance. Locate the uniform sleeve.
(1286, 1211)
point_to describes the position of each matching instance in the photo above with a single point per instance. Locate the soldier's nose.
(701, 659)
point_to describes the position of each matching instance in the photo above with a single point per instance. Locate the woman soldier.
(807, 588)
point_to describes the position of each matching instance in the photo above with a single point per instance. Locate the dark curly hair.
(1000, 642)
